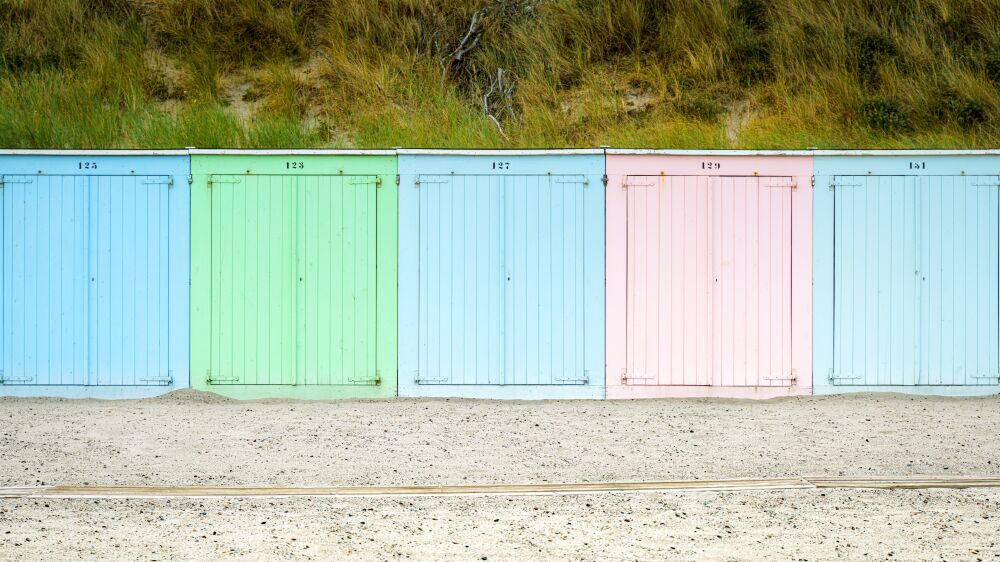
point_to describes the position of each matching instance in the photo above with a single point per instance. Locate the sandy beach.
(201, 439)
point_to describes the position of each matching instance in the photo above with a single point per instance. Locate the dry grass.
(678, 73)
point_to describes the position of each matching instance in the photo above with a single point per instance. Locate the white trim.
(500, 151)
(859, 152)
(920, 152)
(290, 152)
(678, 152)
(60, 152)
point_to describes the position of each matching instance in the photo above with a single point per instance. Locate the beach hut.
(709, 257)
(94, 273)
(294, 273)
(906, 272)
(501, 274)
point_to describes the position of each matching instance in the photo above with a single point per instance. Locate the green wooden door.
(336, 268)
(293, 296)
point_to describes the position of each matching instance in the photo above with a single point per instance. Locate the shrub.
(884, 116)
(869, 50)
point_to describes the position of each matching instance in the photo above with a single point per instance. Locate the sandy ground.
(192, 438)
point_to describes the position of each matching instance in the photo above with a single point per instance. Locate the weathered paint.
(501, 275)
(95, 268)
(906, 274)
(294, 274)
(708, 275)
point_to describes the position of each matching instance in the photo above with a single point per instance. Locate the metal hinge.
(377, 381)
(627, 184)
(210, 380)
(419, 181)
(584, 181)
(835, 379)
(212, 181)
(584, 380)
(4, 181)
(626, 378)
(367, 181)
(4, 380)
(989, 377)
(792, 377)
(165, 382)
(834, 186)
(418, 380)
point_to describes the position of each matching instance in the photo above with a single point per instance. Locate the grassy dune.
(366, 73)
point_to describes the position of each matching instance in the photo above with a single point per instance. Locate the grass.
(378, 73)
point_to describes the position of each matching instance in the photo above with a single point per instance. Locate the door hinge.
(397, 180)
(627, 184)
(626, 378)
(5, 181)
(377, 381)
(5, 380)
(190, 180)
(210, 380)
(792, 377)
(833, 378)
(162, 381)
(212, 181)
(418, 380)
(604, 180)
(584, 380)
(367, 181)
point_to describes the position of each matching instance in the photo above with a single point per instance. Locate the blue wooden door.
(501, 280)
(85, 280)
(544, 264)
(915, 281)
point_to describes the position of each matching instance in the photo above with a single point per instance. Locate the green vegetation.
(553, 73)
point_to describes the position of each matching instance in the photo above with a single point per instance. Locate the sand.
(194, 438)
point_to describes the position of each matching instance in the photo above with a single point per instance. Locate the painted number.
(295, 165)
(711, 165)
(918, 165)
(501, 165)
(87, 165)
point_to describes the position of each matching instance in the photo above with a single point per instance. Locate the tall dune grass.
(678, 73)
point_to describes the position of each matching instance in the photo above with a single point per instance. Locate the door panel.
(337, 257)
(752, 334)
(916, 280)
(709, 281)
(86, 262)
(461, 286)
(669, 281)
(253, 280)
(501, 280)
(293, 280)
(544, 299)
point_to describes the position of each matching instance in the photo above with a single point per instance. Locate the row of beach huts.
(516, 274)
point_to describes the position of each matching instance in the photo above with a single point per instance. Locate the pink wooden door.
(708, 281)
